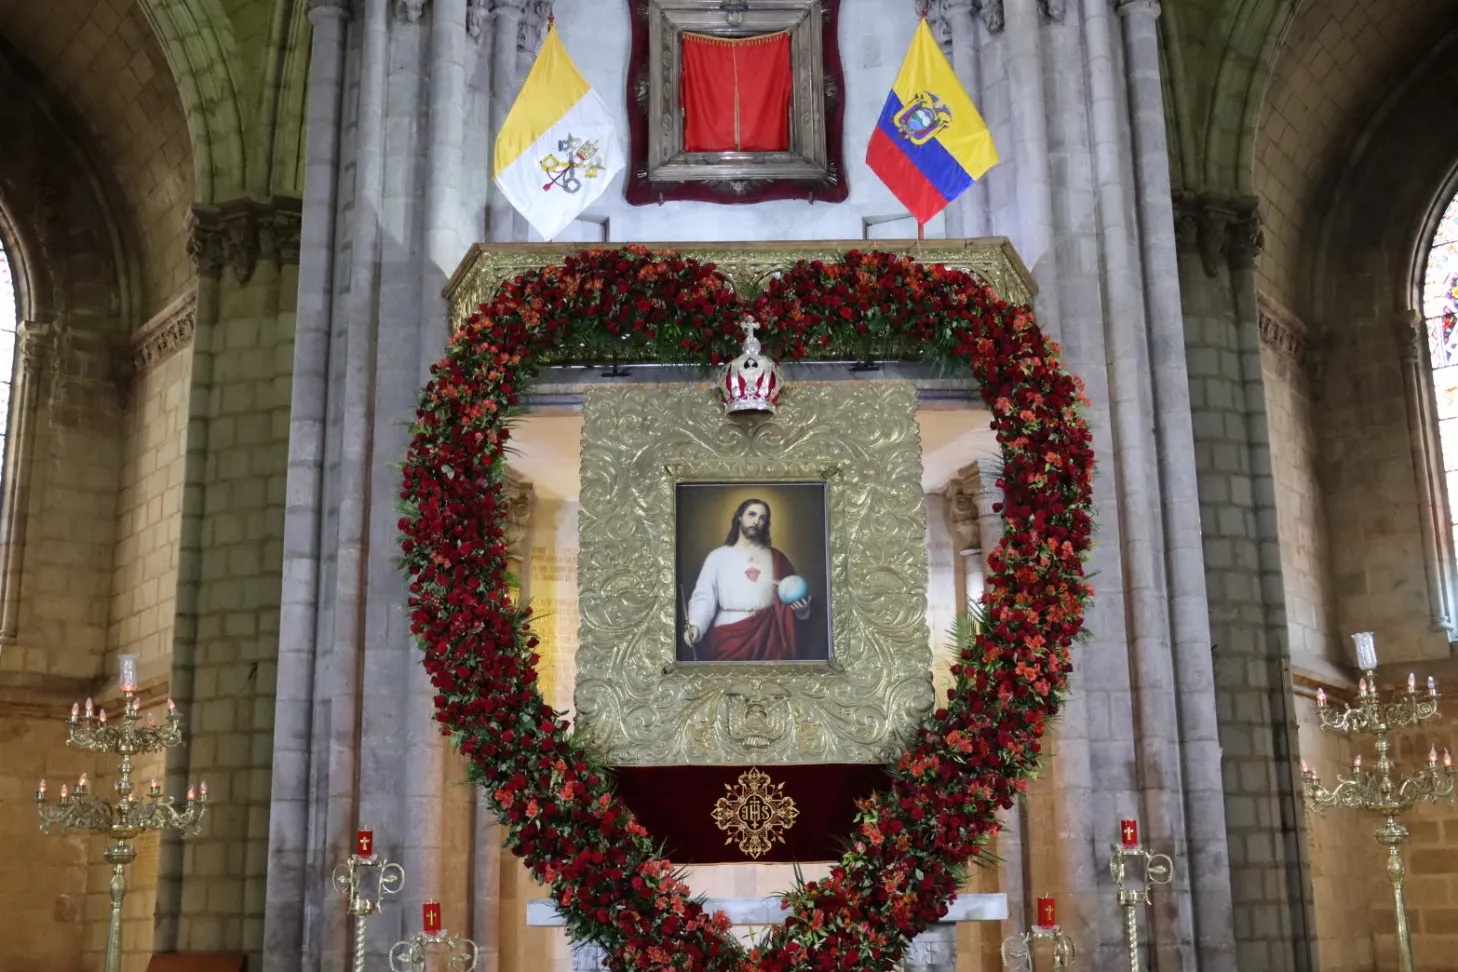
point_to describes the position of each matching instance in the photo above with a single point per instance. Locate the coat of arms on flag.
(930, 143)
(558, 148)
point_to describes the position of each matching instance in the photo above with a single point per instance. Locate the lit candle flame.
(1411, 683)
(88, 708)
(40, 793)
(65, 792)
(1433, 756)
(153, 786)
(1362, 687)
(1447, 759)
(171, 707)
(202, 789)
(102, 716)
(75, 710)
(1321, 697)
(81, 783)
(191, 795)
(1357, 763)
(1305, 770)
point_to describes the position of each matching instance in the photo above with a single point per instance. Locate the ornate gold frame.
(635, 703)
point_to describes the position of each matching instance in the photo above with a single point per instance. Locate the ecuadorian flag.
(558, 148)
(930, 144)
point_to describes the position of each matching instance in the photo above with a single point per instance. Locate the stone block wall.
(1301, 525)
(44, 899)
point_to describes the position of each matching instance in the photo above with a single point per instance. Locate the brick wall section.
(44, 898)
(104, 60)
(71, 525)
(1247, 623)
(1300, 508)
(236, 565)
(144, 572)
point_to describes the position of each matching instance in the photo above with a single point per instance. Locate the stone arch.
(197, 38)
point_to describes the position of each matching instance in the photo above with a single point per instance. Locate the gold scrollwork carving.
(635, 702)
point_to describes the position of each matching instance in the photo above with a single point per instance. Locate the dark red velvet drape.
(735, 93)
(676, 805)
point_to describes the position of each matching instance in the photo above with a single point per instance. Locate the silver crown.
(751, 382)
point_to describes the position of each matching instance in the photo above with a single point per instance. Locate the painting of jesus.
(753, 572)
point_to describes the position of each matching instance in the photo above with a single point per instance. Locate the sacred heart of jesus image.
(753, 570)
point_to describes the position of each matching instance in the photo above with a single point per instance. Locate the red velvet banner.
(735, 93)
(676, 805)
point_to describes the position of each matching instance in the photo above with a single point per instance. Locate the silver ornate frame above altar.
(636, 703)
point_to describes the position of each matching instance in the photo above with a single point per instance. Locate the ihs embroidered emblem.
(756, 813)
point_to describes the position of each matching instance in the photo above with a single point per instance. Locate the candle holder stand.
(128, 817)
(349, 878)
(1157, 869)
(1017, 950)
(1383, 792)
(410, 955)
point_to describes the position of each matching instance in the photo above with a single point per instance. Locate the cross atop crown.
(749, 325)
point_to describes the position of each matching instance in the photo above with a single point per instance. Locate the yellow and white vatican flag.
(558, 148)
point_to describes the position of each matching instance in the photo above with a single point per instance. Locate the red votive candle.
(1129, 832)
(364, 843)
(1047, 912)
(431, 912)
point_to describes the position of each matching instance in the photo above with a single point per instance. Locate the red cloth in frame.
(767, 635)
(735, 93)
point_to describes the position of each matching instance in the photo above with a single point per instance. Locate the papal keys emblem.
(579, 160)
(922, 117)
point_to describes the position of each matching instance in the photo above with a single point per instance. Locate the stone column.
(1189, 608)
(445, 155)
(1034, 181)
(36, 347)
(1218, 239)
(1410, 332)
(297, 871)
(955, 21)
(506, 16)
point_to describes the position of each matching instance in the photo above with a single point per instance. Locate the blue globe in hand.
(793, 588)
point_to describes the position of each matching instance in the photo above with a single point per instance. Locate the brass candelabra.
(409, 955)
(364, 899)
(1017, 950)
(1383, 791)
(1158, 869)
(129, 817)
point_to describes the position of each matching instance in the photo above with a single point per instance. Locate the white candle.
(1305, 770)
(1432, 686)
(40, 793)
(1321, 697)
(202, 789)
(1447, 759)
(88, 708)
(1357, 763)
(75, 711)
(81, 783)
(65, 793)
(191, 795)
(1411, 683)
(1433, 756)
(171, 708)
(1362, 687)
(152, 787)
(102, 717)
(1366, 650)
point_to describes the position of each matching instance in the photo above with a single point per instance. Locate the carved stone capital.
(409, 10)
(533, 26)
(238, 234)
(1219, 228)
(992, 15)
(1053, 11)
(164, 335)
(970, 500)
(478, 13)
(520, 497)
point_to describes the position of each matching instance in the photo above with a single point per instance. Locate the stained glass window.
(9, 311)
(1440, 312)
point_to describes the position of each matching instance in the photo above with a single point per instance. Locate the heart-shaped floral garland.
(913, 841)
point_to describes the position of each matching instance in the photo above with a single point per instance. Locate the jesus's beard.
(754, 533)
